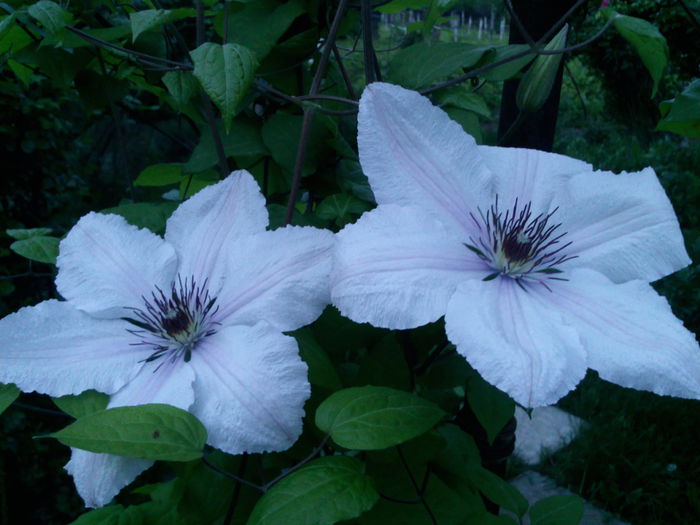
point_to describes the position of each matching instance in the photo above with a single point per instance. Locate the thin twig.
(236, 491)
(154, 59)
(367, 45)
(578, 91)
(344, 73)
(519, 24)
(231, 476)
(580, 44)
(25, 274)
(226, 16)
(309, 112)
(419, 492)
(399, 500)
(199, 22)
(432, 357)
(303, 462)
(530, 51)
(267, 88)
(689, 12)
(40, 410)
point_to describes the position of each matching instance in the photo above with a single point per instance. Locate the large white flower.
(194, 320)
(539, 264)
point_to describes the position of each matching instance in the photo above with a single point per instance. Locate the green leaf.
(82, 404)
(7, 22)
(142, 21)
(321, 369)
(557, 510)
(108, 34)
(14, 40)
(281, 133)
(25, 233)
(105, 516)
(160, 175)
(498, 490)
(61, 65)
(22, 72)
(468, 120)
(243, 141)
(384, 365)
(341, 207)
(492, 407)
(422, 64)
(181, 85)
(682, 114)
(39, 248)
(537, 82)
(226, 73)
(258, 25)
(646, 39)
(51, 15)
(153, 431)
(435, 11)
(399, 5)
(353, 180)
(510, 68)
(145, 214)
(8, 394)
(463, 98)
(371, 417)
(327, 490)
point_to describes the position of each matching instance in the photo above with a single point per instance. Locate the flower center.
(519, 245)
(172, 324)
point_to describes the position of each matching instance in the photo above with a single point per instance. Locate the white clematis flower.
(194, 320)
(539, 264)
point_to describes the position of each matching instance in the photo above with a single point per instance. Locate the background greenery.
(79, 125)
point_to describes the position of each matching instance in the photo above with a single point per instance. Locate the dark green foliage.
(129, 109)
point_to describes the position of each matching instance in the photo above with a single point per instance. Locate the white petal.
(57, 350)
(278, 276)
(413, 154)
(516, 340)
(397, 267)
(623, 226)
(529, 175)
(100, 477)
(164, 380)
(250, 389)
(205, 224)
(106, 265)
(631, 336)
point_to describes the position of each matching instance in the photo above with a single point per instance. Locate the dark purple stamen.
(173, 324)
(519, 245)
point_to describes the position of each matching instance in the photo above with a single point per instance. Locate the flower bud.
(537, 81)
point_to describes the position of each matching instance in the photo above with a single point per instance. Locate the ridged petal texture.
(408, 262)
(241, 376)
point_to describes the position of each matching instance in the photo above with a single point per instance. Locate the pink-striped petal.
(207, 225)
(397, 267)
(622, 226)
(106, 265)
(630, 334)
(516, 339)
(414, 155)
(278, 276)
(57, 350)
(250, 389)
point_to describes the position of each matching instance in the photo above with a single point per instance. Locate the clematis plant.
(540, 265)
(194, 320)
